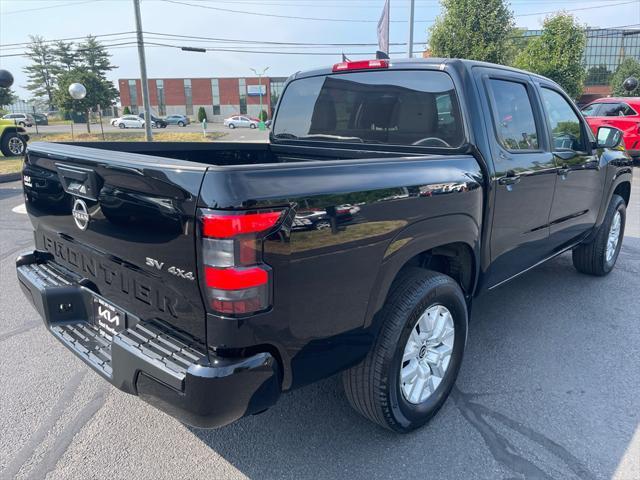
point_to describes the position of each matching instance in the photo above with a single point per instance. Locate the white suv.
(21, 119)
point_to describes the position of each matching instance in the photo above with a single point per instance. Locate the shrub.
(126, 111)
(263, 116)
(202, 114)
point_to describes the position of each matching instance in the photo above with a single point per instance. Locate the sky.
(55, 19)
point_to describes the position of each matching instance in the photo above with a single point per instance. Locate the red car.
(622, 113)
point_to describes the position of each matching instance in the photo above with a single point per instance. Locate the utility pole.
(143, 74)
(412, 5)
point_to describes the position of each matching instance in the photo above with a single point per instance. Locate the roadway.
(549, 389)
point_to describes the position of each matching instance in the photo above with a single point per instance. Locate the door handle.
(509, 179)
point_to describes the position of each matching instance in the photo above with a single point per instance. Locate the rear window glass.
(388, 107)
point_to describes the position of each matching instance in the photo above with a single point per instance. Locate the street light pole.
(143, 73)
(259, 74)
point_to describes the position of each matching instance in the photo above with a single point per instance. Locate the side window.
(566, 128)
(613, 110)
(513, 115)
(591, 110)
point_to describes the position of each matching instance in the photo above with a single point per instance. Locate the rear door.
(123, 222)
(525, 173)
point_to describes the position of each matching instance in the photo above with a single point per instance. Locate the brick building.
(220, 97)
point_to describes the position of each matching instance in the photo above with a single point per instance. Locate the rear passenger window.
(513, 115)
(616, 110)
(566, 128)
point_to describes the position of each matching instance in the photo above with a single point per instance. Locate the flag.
(383, 29)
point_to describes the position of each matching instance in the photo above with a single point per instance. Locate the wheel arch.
(448, 244)
(621, 185)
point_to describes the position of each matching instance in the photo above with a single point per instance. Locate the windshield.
(390, 107)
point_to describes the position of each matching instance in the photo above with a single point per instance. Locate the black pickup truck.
(186, 274)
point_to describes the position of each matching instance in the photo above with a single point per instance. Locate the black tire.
(181, 124)
(373, 386)
(232, 126)
(122, 126)
(252, 125)
(9, 145)
(22, 124)
(591, 258)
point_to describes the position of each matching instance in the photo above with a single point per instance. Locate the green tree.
(93, 56)
(64, 56)
(473, 29)
(202, 114)
(263, 116)
(6, 96)
(557, 53)
(41, 73)
(126, 111)
(598, 75)
(99, 92)
(629, 67)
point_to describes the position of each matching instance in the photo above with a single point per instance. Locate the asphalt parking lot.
(549, 389)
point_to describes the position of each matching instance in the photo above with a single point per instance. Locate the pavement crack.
(503, 451)
(66, 436)
(26, 452)
(17, 331)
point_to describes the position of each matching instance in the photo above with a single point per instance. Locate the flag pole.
(412, 5)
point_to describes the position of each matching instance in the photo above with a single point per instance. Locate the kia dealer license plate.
(108, 318)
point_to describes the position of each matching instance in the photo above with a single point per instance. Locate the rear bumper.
(163, 366)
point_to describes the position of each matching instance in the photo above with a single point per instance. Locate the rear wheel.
(121, 125)
(12, 144)
(409, 372)
(599, 256)
(253, 125)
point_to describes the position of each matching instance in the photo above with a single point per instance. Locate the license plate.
(109, 318)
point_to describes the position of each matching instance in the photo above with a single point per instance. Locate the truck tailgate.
(125, 223)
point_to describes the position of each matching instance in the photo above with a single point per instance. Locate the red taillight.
(220, 225)
(236, 281)
(235, 278)
(361, 65)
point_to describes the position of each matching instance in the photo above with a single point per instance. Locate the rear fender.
(416, 239)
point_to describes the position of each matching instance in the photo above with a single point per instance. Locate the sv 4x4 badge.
(178, 272)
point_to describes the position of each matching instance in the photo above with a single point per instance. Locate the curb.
(10, 177)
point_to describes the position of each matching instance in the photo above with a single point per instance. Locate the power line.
(356, 20)
(69, 38)
(47, 7)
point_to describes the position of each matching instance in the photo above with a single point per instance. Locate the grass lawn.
(126, 137)
(10, 164)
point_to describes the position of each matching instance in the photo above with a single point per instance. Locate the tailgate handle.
(78, 181)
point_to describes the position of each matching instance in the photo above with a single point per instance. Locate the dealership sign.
(256, 90)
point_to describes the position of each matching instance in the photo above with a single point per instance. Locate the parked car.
(40, 119)
(180, 120)
(22, 119)
(129, 121)
(156, 121)
(13, 139)
(240, 121)
(622, 113)
(177, 275)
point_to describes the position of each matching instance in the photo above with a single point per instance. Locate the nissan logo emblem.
(80, 214)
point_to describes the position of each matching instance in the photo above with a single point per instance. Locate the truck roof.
(425, 63)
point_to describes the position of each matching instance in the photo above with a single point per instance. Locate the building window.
(188, 99)
(215, 95)
(276, 86)
(162, 110)
(242, 89)
(133, 95)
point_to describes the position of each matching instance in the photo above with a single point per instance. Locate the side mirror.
(608, 137)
